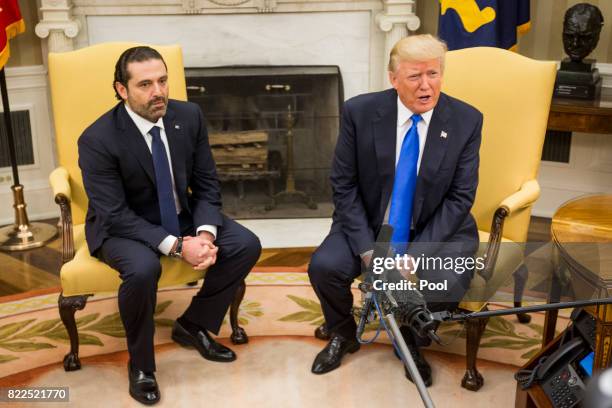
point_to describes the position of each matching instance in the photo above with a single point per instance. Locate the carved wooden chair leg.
(520, 280)
(67, 308)
(472, 380)
(238, 336)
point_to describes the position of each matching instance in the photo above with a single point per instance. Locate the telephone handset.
(564, 355)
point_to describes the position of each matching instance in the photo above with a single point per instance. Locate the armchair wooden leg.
(522, 317)
(520, 279)
(238, 336)
(472, 380)
(67, 308)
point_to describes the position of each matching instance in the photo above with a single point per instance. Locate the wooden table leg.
(550, 320)
(523, 400)
(550, 325)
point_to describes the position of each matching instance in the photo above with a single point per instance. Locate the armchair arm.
(60, 184)
(527, 195)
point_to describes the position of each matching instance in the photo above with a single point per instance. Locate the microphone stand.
(385, 305)
(394, 333)
(446, 316)
(409, 361)
(372, 303)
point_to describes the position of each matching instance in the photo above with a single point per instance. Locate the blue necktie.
(163, 178)
(400, 213)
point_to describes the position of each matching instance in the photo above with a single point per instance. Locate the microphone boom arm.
(446, 316)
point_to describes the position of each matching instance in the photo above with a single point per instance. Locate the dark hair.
(134, 54)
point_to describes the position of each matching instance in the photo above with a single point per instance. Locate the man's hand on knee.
(198, 252)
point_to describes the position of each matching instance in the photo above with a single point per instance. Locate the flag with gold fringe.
(492, 23)
(11, 24)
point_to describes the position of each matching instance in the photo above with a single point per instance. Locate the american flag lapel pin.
(443, 134)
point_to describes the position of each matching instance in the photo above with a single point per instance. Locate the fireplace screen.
(272, 131)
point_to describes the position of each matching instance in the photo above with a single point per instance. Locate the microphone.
(409, 306)
(380, 251)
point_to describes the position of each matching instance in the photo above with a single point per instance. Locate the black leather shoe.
(331, 356)
(143, 386)
(321, 332)
(422, 365)
(201, 340)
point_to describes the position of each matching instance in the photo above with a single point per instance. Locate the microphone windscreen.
(404, 294)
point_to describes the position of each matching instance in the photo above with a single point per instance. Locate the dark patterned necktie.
(163, 178)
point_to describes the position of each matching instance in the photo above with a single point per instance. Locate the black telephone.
(563, 374)
(562, 379)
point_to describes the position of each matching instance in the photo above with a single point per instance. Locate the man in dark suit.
(153, 191)
(408, 155)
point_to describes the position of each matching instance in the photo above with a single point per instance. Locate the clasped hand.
(199, 251)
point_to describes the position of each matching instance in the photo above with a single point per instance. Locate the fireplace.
(272, 130)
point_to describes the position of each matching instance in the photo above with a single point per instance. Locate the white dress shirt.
(144, 126)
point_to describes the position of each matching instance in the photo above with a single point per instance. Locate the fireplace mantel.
(171, 7)
(69, 24)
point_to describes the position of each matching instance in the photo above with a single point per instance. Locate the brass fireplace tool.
(290, 193)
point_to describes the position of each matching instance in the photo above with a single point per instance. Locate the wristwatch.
(178, 252)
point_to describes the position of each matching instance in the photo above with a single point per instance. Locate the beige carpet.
(275, 372)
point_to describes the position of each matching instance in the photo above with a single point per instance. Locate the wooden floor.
(23, 271)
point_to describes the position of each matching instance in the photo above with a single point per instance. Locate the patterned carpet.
(276, 303)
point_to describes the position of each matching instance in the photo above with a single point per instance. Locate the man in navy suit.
(431, 141)
(153, 191)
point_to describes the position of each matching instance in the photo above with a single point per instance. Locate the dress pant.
(139, 268)
(333, 267)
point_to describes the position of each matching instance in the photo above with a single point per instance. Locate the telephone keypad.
(562, 394)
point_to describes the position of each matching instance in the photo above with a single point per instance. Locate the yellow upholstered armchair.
(514, 94)
(81, 91)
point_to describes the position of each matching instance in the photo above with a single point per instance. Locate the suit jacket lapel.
(174, 133)
(433, 153)
(136, 143)
(385, 134)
